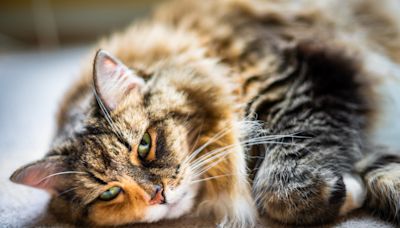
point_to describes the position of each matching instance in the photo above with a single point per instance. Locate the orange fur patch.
(128, 207)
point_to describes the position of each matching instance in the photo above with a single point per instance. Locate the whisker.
(59, 173)
(224, 152)
(210, 178)
(71, 189)
(213, 164)
(205, 156)
(204, 161)
(107, 115)
(209, 155)
(243, 124)
(197, 139)
(211, 140)
(249, 156)
(201, 164)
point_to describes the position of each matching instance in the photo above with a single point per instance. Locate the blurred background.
(51, 24)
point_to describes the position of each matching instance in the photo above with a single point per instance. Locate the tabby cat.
(237, 109)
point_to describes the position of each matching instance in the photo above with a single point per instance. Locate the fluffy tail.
(381, 174)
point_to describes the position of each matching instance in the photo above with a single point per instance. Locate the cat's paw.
(355, 193)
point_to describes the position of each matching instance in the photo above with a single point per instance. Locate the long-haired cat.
(239, 109)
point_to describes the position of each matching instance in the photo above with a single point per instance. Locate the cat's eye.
(144, 146)
(110, 193)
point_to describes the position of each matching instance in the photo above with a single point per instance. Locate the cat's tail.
(381, 175)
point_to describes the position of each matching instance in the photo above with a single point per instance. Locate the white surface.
(31, 85)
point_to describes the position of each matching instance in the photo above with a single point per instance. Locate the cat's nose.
(158, 197)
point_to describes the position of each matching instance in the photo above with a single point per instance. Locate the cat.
(237, 109)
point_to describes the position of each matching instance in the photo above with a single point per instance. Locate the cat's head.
(130, 158)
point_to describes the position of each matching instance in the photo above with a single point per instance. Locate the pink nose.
(158, 197)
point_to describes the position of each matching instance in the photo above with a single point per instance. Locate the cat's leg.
(355, 193)
(306, 178)
(306, 191)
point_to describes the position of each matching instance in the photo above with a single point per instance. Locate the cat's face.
(142, 179)
(129, 162)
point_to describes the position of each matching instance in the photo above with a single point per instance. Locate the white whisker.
(209, 156)
(60, 173)
(71, 189)
(210, 178)
(256, 135)
(205, 161)
(107, 115)
(211, 140)
(211, 165)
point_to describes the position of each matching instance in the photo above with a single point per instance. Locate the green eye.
(110, 194)
(144, 146)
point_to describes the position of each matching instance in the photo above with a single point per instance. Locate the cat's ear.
(113, 80)
(43, 174)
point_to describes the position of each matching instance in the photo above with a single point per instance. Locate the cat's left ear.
(46, 174)
(113, 80)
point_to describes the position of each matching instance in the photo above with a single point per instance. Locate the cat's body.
(255, 108)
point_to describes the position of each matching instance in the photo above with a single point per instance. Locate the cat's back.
(357, 24)
(245, 36)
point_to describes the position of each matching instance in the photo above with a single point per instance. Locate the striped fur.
(260, 108)
(381, 173)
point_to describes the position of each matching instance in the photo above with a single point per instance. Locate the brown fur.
(208, 66)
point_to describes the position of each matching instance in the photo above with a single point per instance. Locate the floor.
(31, 85)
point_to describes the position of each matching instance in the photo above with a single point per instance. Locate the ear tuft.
(40, 174)
(113, 80)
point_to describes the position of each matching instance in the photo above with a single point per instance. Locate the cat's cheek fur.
(233, 204)
(181, 199)
(155, 213)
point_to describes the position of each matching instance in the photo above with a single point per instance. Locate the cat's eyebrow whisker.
(66, 191)
(90, 196)
(59, 173)
(107, 115)
(210, 178)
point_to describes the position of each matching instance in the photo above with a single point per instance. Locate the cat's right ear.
(112, 79)
(43, 174)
